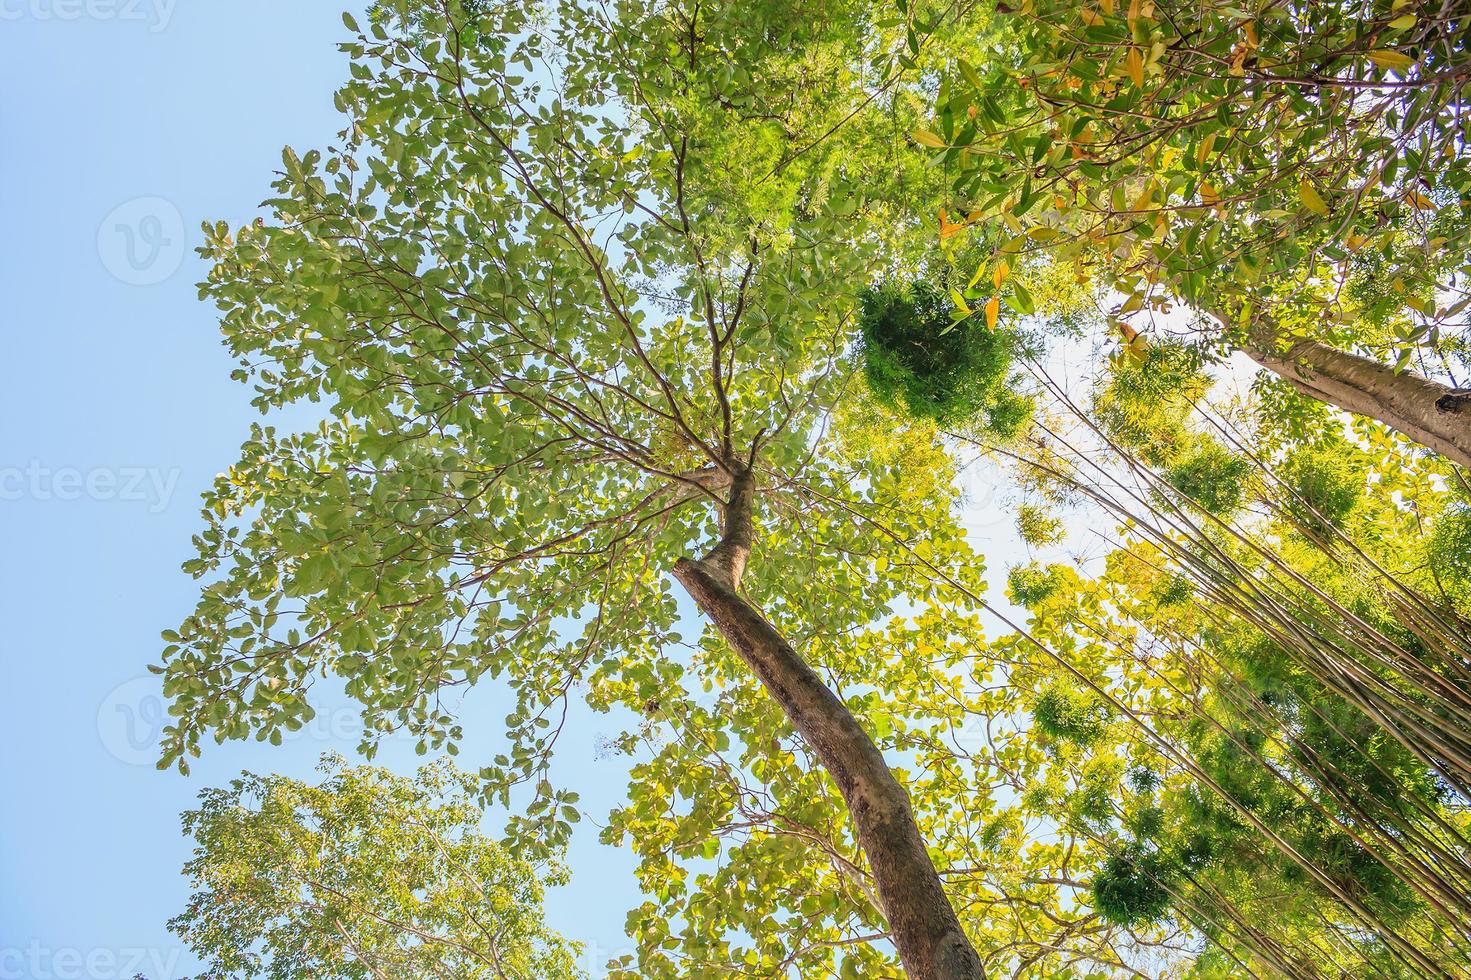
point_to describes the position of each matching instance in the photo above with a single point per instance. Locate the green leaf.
(1022, 299)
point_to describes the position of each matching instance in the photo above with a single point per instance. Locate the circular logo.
(141, 241)
(130, 721)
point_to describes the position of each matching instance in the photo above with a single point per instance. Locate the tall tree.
(577, 288)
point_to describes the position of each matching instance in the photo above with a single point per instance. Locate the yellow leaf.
(1238, 59)
(1107, 5)
(1003, 269)
(1134, 65)
(1209, 194)
(1135, 345)
(926, 138)
(1403, 22)
(1203, 151)
(1311, 199)
(1393, 60)
(1090, 17)
(993, 311)
(1420, 201)
(1138, 350)
(948, 228)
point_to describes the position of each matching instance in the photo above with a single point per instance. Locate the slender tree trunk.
(922, 923)
(1434, 415)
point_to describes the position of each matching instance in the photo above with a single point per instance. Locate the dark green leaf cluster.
(1450, 545)
(1173, 590)
(1326, 481)
(1131, 887)
(1144, 406)
(1070, 715)
(1169, 839)
(1369, 770)
(1211, 476)
(1030, 584)
(918, 359)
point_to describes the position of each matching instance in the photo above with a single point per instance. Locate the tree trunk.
(1434, 415)
(922, 923)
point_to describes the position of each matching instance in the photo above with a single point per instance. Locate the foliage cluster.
(921, 359)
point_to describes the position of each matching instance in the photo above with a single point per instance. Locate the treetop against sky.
(608, 305)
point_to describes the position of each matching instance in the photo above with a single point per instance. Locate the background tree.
(364, 875)
(1247, 699)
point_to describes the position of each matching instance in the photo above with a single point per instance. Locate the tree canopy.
(1295, 173)
(643, 375)
(365, 875)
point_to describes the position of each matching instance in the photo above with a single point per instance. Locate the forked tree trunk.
(1432, 414)
(922, 923)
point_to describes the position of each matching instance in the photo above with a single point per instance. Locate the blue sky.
(123, 125)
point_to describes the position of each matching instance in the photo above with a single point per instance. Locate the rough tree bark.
(922, 923)
(1434, 415)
